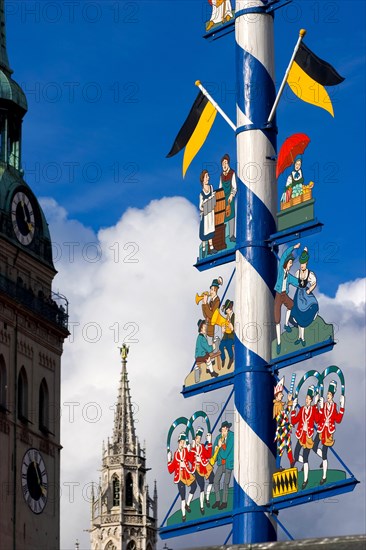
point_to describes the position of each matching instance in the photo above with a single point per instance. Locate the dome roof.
(11, 91)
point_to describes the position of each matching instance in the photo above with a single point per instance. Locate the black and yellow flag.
(308, 76)
(194, 131)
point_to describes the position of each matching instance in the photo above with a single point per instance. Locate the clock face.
(34, 481)
(22, 217)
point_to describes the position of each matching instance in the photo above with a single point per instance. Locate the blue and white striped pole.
(255, 274)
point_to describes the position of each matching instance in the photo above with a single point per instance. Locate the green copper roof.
(4, 61)
(9, 89)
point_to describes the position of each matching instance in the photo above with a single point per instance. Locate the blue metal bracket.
(267, 7)
(295, 233)
(272, 8)
(314, 494)
(220, 258)
(282, 526)
(228, 537)
(220, 31)
(203, 387)
(195, 526)
(246, 127)
(229, 27)
(296, 357)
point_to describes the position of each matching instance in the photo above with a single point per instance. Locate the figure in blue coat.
(284, 280)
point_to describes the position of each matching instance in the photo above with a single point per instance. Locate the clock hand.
(25, 216)
(43, 490)
(36, 469)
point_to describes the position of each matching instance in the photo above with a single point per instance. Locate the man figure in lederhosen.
(209, 305)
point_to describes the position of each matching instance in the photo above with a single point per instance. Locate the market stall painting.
(296, 197)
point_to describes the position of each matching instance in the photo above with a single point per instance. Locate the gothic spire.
(124, 428)
(9, 89)
(4, 61)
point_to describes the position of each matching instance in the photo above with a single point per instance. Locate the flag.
(194, 131)
(308, 76)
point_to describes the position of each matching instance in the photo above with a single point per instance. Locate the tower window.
(23, 395)
(116, 491)
(14, 143)
(3, 383)
(129, 490)
(2, 136)
(44, 405)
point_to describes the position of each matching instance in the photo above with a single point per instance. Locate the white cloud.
(136, 280)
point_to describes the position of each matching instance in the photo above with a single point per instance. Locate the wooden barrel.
(219, 237)
(220, 207)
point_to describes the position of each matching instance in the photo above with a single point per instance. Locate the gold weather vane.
(124, 352)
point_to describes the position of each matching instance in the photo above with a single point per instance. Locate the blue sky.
(110, 83)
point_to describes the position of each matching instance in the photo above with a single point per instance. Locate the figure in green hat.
(204, 349)
(227, 342)
(210, 303)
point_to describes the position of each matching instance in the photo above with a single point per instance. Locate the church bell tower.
(123, 514)
(33, 326)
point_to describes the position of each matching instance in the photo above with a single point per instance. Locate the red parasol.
(292, 147)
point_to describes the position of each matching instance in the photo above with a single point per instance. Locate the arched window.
(129, 490)
(141, 482)
(131, 545)
(3, 383)
(116, 491)
(43, 407)
(23, 395)
(140, 506)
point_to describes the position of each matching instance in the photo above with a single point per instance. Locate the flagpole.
(217, 107)
(283, 84)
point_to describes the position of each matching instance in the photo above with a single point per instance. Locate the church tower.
(33, 326)
(123, 515)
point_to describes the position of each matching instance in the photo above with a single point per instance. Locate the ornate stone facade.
(32, 331)
(123, 514)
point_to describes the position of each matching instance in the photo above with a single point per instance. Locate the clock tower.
(123, 514)
(33, 326)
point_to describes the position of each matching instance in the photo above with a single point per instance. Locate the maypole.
(262, 420)
(255, 272)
